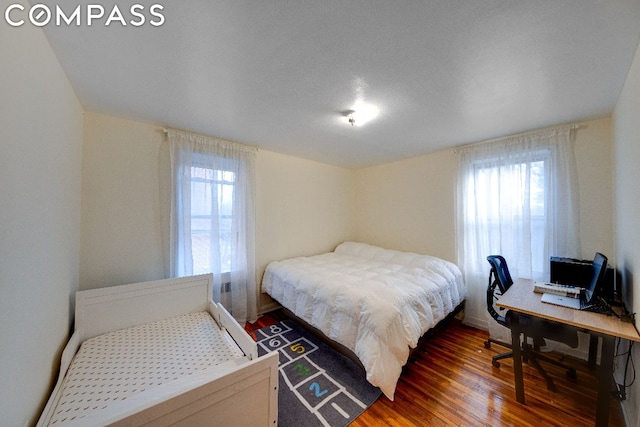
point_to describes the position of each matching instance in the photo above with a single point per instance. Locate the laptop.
(590, 297)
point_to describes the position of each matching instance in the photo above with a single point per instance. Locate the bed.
(375, 302)
(161, 353)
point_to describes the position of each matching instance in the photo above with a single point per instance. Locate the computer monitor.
(596, 286)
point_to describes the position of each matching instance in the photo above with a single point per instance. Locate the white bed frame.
(237, 393)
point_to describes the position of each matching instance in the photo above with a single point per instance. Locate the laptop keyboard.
(601, 306)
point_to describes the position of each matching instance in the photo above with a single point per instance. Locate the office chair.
(537, 329)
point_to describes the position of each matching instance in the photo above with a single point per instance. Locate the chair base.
(494, 359)
(530, 354)
(534, 356)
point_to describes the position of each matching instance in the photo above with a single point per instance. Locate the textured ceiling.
(280, 74)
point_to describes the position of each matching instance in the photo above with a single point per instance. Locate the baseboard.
(478, 323)
(269, 307)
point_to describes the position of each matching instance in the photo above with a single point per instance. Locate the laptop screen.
(597, 281)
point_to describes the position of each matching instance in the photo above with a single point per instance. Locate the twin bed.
(163, 353)
(375, 302)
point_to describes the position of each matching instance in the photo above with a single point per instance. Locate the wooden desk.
(521, 298)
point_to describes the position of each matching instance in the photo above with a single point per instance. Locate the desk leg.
(605, 376)
(517, 363)
(593, 351)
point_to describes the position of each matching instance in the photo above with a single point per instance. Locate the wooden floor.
(450, 382)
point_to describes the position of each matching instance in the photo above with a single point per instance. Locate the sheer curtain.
(517, 197)
(213, 217)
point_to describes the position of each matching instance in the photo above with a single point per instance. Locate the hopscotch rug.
(318, 385)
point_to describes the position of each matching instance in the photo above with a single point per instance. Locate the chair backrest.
(499, 282)
(500, 269)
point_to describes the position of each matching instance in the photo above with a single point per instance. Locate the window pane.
(200, 198)
(537, 188)
(211, 208)
(201, 252)
(225, 199)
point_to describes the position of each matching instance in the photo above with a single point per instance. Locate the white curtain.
(213, 217)
(517, 197)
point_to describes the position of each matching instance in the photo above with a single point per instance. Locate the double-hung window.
(507, 202)
(212, 217)
(516, 197)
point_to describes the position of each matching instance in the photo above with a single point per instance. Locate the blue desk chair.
(537, 329)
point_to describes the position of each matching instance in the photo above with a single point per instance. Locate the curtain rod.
(519, 135)
(212, 139)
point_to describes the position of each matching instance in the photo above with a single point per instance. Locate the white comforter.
(375, 301)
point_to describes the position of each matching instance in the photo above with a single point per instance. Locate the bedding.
(377, 302)
(160, 353)
(120, 364)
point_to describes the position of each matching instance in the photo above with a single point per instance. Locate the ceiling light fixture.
(361, 113)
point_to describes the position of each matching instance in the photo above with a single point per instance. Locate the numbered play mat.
(318, 385)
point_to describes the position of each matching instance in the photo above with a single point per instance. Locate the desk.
(521, 298)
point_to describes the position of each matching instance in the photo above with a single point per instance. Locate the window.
(212, 217)
(518, 210)
(515, 198)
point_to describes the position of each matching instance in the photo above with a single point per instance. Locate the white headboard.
(116, 307)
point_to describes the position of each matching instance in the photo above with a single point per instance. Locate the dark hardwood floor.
(449, 381)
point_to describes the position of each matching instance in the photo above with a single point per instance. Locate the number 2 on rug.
(315, 387)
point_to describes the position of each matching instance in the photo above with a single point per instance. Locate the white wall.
(123, 181)
(40, 175)
(410, 204)
(594, 162)
(302, 207)
(627, 203)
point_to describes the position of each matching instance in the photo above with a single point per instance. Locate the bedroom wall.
(123, 173)
(40, 155)
(302, 207)
(594, 163)
(626, 131)
(410, 204)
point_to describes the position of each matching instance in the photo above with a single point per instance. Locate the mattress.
(117, 365)
(377, 302)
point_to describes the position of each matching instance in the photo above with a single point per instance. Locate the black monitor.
(597, 284)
